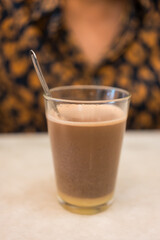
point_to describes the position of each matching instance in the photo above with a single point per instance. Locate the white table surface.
(29, 208)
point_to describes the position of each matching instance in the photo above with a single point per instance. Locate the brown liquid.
(86, 152)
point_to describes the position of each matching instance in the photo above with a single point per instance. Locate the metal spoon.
(41, 78)
(39, 73)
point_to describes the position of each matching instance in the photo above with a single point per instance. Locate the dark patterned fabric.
(133, 62)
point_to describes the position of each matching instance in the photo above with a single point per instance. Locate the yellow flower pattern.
(133, 62)
(136, 54)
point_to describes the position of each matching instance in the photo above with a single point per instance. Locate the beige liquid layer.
(85, 202)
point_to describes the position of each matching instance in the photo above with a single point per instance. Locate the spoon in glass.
(39, 73)
(41, 77)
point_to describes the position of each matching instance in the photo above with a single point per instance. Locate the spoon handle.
(42, 79)
(39, 73)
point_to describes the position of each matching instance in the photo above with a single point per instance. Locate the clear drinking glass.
(86, 125)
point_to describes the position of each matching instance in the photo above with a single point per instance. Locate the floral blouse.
(133, 62)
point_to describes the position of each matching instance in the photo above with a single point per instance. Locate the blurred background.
(101, 42)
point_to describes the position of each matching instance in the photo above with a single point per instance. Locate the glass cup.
(86, 125)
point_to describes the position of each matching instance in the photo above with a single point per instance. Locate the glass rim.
(69, 87)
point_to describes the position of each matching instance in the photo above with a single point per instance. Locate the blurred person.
(103, 42)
